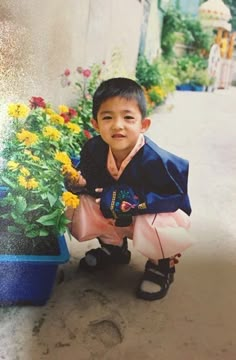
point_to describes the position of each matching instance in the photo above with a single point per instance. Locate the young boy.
(130, 188)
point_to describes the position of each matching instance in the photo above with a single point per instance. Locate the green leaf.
(13, 229)
(21, 205)
(32, 233)
(8, 182)
(4, 216)
(43, 232)
(18, 219)
(49, 219)
(33, 207)
(52, 199)
(65, 221)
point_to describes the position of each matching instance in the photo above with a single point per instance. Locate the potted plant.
(33, 202)
(200, 80)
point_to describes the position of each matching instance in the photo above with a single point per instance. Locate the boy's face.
(119, 122)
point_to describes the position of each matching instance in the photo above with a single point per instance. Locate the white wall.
(40, 38)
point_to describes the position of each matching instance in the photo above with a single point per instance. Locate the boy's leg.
(157, 278)
(106, 255)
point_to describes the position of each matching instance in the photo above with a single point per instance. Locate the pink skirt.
(156, 236)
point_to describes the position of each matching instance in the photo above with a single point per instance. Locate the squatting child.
(130, 188)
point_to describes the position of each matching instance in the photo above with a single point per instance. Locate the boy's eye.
(129, 118)
(106, 117)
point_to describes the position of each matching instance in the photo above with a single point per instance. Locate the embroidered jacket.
(154, 181)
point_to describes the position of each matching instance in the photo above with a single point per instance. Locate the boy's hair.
(122, 87)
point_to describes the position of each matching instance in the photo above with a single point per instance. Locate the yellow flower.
(57, 119)
(71, 172)
(52, 133)
(28, 184)
(18, 110)
(33, 157)
(74, 127)
(32, 184)
(24, 171)
(22, 181)
(158, 90)
(12, 165)
(49, 111)
(27, 137)
(70, 199)
(63, 157)
(63, 109)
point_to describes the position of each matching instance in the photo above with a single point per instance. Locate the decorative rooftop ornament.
(215, 14)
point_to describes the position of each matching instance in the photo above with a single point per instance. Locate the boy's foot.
(156, 280)
(105, 256)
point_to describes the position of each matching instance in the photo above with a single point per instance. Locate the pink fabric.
(111, 163)
(156, 236)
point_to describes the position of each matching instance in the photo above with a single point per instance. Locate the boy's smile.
(119, 122)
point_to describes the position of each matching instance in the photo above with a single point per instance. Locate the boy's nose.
(118, 123)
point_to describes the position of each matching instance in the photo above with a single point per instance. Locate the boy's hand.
(78, 181)
(73, 179)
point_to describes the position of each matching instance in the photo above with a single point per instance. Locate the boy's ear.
(95, 124)
(146, 122)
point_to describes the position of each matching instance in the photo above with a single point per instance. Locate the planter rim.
(62, 258)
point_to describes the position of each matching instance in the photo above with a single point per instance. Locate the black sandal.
(163, 278)
(105, 256)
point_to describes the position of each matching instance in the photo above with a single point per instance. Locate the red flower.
(86, 73)
(87, 134)
(72, 112)
(36, 102)
(67, 72)
(66, 117)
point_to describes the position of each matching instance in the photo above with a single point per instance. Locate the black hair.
(122, 87)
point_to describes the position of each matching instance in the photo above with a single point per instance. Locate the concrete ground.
(93, 317)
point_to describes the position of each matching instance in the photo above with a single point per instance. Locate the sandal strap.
(163, 266)
(161, 280)
(104, 259)
(100, 256)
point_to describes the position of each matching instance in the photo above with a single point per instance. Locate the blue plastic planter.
(197, 87)
(184, 87)
(75, 160)
(29, 279)
(3, 191)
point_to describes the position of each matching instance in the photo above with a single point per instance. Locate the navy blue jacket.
(157, 177)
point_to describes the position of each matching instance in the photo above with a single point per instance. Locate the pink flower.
(86, 73)
(67, 72)
(36, 102)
